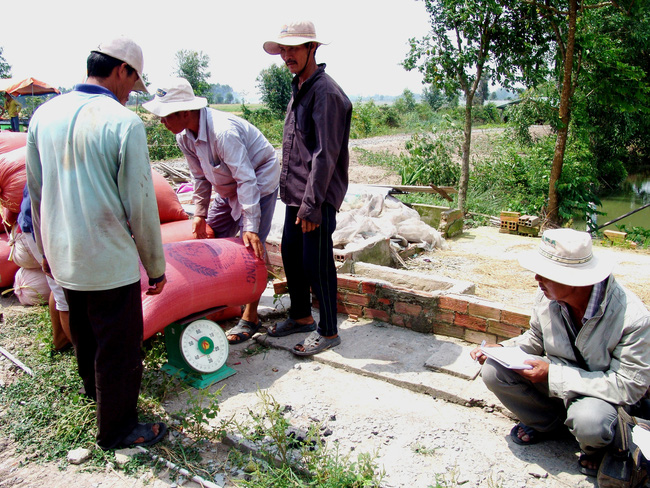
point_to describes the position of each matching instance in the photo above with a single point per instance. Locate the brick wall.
(463, 316)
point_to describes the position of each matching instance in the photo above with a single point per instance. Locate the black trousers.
(106, 330)
(308, 261)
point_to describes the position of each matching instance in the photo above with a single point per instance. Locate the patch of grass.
(423, 450)
(287, 457)
(383, 159)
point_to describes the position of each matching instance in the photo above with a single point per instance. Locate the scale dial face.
(204, 346)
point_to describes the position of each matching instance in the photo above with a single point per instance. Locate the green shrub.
(429, 159)
(161, 142)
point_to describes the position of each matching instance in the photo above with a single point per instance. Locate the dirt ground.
(414, 435)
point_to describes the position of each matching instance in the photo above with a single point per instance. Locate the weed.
(254, 350)
(290, 457)
(202, 407)
(423, 450)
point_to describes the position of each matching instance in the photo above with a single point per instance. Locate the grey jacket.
(315, 146)
(615, 345)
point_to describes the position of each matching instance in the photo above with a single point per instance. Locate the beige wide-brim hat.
(293, 34)
(175, 95)
(565, 256)
(127, 51)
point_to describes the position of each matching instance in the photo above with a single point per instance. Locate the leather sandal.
(288, 327)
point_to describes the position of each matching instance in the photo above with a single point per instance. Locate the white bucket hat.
(175, 96)
(293, 34)
(127, 51)
(565, 256)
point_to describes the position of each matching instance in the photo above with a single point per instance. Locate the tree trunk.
(552, 215)
(464, 168)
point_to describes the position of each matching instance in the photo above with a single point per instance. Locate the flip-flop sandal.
(315, 343)
(244, 330)
(146, 432)
(595, 458)
(289, 327)
(534, 436)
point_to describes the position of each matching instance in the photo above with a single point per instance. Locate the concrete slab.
(426, 363)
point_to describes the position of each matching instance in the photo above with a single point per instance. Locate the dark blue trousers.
(308, 261)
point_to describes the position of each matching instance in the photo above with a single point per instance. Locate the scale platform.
(197, 350)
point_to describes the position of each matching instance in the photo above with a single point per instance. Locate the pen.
(483, 343)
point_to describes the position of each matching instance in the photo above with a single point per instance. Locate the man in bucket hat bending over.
(313, 183)
(232, 156)
(592, 337)
(95, 216)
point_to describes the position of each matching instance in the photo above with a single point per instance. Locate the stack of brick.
(509, 222)
(463, 316)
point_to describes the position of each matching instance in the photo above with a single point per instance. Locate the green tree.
(475, 39)
(577, 46)
(5, 68)
(193, 66)
(434, 97)
(274, 84)
(405, 103)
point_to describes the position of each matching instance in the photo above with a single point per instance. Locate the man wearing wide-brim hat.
(313, 183)
(232, 156)
(592, 339)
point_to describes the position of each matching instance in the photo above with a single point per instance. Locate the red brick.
(349, 309)
(348, 283)
(470, 322)
(372, 313)
(369, 287)
(475, 337)
(450, 303)
(503, 330)
(515, 318)
(357, 299)
(397, 320)
(485, 311)
(408, 309)
(449, 330)
(443, 317)
(384, 301)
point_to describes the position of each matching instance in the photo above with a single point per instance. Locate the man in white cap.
(232, 156)
(591, 339)
(313, 183)
(95, 216)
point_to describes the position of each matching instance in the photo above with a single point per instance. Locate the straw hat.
(175, 96)
(565, 256)
(293, 34)
(127, 51)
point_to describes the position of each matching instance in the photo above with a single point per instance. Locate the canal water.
(634, 194)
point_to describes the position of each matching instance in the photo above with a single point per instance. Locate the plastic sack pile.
(369, 212)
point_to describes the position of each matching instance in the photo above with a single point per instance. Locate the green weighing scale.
(197, 350)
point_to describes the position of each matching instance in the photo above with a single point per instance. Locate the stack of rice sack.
(12, 182)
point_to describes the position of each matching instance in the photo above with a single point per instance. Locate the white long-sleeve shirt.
(231, 155)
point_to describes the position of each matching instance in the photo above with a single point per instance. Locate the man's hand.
(46, 268)
(251, 239)
(477, 354)
(157, 288)
(539, 373)
(198, 228)
(306, 225)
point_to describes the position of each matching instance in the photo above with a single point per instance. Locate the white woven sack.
(20, 252)
(31, 287)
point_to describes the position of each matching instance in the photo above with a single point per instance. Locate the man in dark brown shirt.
(313, 183)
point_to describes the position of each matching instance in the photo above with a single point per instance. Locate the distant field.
(235, 108)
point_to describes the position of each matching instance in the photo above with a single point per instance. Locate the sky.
(367, 39)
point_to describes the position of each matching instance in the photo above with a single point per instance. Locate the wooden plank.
(421, 189)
